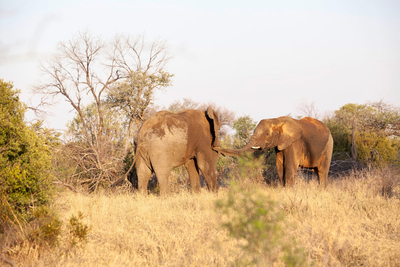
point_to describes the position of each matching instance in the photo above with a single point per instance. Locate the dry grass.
(133, 230)
(348, 224)
(345, 225)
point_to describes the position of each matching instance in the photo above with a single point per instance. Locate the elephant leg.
(208, 170)
(322, 171)
(279, 166)
(143, 174)
(325, 163)
(290, 172)
(194, 178)
(290, 164)
(321, 176)
(162, 173)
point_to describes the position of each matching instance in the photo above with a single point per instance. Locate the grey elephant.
(305, 143)
(168, 140)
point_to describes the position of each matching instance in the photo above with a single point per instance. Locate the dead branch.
(70, 187)
(125, 177)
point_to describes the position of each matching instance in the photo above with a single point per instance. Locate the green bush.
(25, 160)
(256, 222)
(27, 220)
(376, 131)
(341, 136)
(78, 231)
(26, 184)
(376, 150)
(44, 228)
(257, 167)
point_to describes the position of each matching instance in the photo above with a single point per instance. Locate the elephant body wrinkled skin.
(168, 140)
(305, 143)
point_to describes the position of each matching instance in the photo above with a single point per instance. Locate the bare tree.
(186, 103)
(86, 69)
(142, 66)
(308, 109)
(81, 68)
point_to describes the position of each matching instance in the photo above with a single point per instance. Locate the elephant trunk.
(249, 147)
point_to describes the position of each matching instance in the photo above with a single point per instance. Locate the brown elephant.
(168, 140)
(303, 143)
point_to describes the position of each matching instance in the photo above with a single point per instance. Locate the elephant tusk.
(256, 147)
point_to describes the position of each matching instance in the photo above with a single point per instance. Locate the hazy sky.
(257, 58)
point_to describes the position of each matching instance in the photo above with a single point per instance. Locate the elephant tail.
(123, 178)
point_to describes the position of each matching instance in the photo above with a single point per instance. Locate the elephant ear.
(290, 131)
(214, 125)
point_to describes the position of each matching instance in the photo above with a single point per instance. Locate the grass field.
(351, 223)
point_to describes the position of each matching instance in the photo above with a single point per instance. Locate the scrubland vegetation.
(348, 224)
(58, 206)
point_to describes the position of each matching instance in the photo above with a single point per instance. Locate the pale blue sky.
(257, 58)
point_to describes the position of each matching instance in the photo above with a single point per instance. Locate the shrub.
(96, 159)
(254, 219)
(78, 231)
(374, 128)
(26, 184)
(256, 167)
(25, 160)
(45, 227)
(376, 150)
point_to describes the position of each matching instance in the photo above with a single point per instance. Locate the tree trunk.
(353, 142)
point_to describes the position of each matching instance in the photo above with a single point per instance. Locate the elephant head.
(280, 133)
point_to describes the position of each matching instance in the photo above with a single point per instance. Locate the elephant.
(168, 140)
(305, 143)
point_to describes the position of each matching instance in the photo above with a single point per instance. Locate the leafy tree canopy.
(244, 127)
(375, 128)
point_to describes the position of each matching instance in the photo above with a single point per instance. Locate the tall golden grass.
(350, 223)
